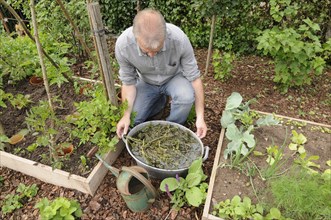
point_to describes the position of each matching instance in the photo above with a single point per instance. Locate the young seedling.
(17, 200)
(244, 209)
(191, 190)
(241, 140)
(60, 208)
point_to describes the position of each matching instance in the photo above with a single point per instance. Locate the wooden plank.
(59, 177)
(295, 119)
(205, 214)
(101, 47)
(99, 172)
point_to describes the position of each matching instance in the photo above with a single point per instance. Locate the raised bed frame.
(59, 177)
(206, 211)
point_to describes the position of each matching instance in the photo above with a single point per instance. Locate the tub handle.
(206, 153)
(124, 138)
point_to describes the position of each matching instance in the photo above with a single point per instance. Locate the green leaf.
(301, 149)
(233, 133)
(194, 196)
(227, 118)
(193, 179)
(235, 201)
(172, 183)
(275, 213)
(249, 139)
(195, 166)
(293, 146)
(267, 121)
(257, 153)
(326, 175)
(240, 211)
(233, 101)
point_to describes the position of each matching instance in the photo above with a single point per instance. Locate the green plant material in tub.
(165, 146)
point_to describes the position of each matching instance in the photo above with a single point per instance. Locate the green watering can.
(134, 185)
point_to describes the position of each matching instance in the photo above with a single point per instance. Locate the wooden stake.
(102, 51)
(210, 47)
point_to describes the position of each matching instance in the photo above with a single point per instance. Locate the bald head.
(149, 28)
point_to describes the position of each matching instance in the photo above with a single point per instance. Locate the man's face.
(149, 52)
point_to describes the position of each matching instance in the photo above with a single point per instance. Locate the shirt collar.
(140, 53)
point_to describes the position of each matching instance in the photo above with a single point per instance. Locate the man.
(156, 60)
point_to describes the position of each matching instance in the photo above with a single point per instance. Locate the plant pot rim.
(36, 80)
(63, 151)
(16, 138)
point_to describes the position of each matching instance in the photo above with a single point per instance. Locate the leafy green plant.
(274, 160)
(96, 121)
(297, 145)
(307, 195)
(60, 208)
(3, 97)
(27, 191)
(241, 140)
(19, 58)
(38, 120)
(297, 142)
(15, 201)
(3, 139)
(191, 190)
(297, 51)
(19, 101)
(236, 209)
(43, 123)
(326, 175)
(10, 203)
(222, 64)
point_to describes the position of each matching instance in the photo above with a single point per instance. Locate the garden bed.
(77, 171)
(225, 183)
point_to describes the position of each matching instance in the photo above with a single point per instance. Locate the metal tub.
(159, 173)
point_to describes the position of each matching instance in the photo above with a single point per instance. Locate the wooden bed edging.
(59, 177)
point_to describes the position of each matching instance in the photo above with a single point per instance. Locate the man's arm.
(129, 95)
(199, 108)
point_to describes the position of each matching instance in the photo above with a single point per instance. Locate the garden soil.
(251, 77)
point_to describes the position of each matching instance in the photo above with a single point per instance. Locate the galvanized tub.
(155, 172)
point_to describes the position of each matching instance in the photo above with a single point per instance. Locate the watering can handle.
(142, 179)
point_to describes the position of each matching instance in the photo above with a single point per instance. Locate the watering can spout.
(115, 171)
(134, 185)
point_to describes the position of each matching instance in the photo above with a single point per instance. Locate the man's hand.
(122, 126)
(201, 128)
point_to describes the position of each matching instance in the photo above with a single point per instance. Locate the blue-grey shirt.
(176, 57)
